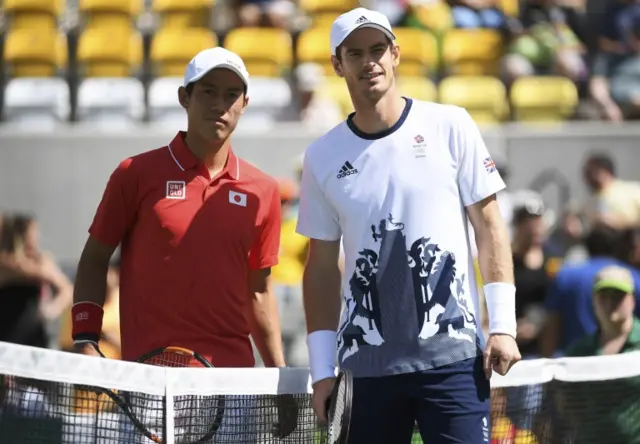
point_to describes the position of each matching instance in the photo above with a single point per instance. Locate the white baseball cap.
(213, 58)
(358, 18)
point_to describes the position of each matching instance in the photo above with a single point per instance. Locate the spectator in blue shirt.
(569, 302)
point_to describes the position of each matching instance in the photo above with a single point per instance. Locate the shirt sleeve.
(317, 218)
(117, 210)
(264, 252)
(554, 296)
(478, 176)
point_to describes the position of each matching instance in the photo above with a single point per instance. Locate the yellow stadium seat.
(510, 8)
(259, 62)
(314, 47)
(313, 7)
(169, 6)
(35, 53)
(33, 20)
(418, 51)
(125, 7)
(435, 16)
(472, 51)
(33, 14)
(117, 15)
(543, 99)
(484, 97)
(102, 53)
(51, 7)
(183, 13)
(419, 88)
(172, 49)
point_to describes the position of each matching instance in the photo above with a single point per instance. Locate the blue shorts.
(450, 404)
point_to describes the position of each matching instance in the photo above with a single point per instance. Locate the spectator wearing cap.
(568, 304)
(602, 417)
(318, 110)
(614, 202)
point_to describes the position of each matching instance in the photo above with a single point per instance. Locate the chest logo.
(419, 146)
(347, 170)
(236, 198)
(176, 189)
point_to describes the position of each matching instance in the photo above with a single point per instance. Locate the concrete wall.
(59, 175)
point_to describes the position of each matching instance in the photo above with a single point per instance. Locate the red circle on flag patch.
(237, 198)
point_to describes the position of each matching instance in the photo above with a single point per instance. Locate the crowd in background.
(592, 46)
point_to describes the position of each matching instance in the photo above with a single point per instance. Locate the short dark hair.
(603, 240)
(604, 161)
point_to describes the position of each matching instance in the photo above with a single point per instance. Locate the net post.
(169, 423)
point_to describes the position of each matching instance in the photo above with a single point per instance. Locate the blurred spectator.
(631, 247)
(395, 10)
(614, 202)
(550, 41)
(287, 277)
(568, 235)
(317, 110)
(534, 266)
(618, 332)
(615, 82)
(503, 430)
(472, 14)
(568, 303)
(271, 13)
(27, 276)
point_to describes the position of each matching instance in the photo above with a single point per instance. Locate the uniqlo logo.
(176, 189)
(82, 316)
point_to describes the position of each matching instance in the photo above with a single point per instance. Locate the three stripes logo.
(346, 170)
(362, 20)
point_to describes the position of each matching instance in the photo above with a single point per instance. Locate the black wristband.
(86, 337)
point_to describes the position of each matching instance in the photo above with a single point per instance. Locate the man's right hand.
(86, 349)
(321, 393)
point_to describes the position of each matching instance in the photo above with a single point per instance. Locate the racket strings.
(335, 426)
(174, 359)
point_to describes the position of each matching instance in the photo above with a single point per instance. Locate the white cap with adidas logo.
(358, 18)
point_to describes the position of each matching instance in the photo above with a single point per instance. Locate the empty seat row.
(465, 52)
(486, 98)
(43, 102)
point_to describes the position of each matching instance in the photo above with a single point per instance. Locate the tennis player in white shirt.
(397, 181)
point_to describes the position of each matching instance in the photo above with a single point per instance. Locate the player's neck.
(212, 154)
(374, 117)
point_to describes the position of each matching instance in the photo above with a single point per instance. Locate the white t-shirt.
(398, 200)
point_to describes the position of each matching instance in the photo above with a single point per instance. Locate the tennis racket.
(339, 409)
(136, 407)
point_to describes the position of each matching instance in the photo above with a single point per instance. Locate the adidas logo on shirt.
(346, 170)
(362, 20)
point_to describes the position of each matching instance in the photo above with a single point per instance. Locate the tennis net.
(50, 397)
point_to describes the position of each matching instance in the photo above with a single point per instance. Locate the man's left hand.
(500, 354)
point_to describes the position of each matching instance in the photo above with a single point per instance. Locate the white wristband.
(501, 305)
(322, 354)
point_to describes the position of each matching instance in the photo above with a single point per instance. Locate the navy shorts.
(450, 404)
